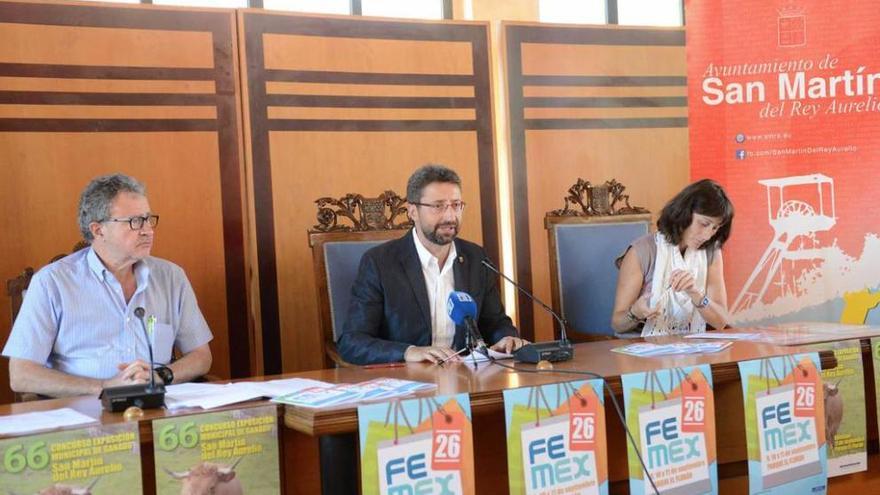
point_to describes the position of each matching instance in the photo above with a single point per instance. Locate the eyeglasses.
(137, 223)
(440, 208)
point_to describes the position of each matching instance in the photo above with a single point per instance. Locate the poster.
(556, 439)
(843, 393)
(875, 355)
(785, 424)
(234, 451)
(422, 445)
(787, 123)
(97, 460)
(671, 415)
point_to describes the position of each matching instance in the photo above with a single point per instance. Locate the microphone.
(462, 310)
(149, 396)
(139, 313)
(553, 351)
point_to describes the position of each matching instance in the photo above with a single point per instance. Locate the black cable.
(629, 435)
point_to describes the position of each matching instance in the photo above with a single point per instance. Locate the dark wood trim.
(106, 72)
(263, 209)
(353, 27)
(220, 25)
(447, 10)
(631, 123)
(582, 35)
(370, 125)
(520, 189)
(368, 101)
(126, 99)
(515, 36)
(605, 101)
(107, 125)
(367, 78)
(356, 8)
(256, 24)
(485, 141)
(231, 161)
(541, 80)
(110, 16)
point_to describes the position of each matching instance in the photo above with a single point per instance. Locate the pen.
(384, 365)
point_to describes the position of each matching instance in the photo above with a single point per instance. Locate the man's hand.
(509, 344)
(432, 354)
(130, 373)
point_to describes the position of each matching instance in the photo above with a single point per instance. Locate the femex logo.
(667, 446)
(780, 428)
(409, 475)
(551, 464)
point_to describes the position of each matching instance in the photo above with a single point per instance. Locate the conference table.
(486, 384)
(311, 439)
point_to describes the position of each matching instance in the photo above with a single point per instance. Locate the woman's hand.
(683, 281)
(642, 310)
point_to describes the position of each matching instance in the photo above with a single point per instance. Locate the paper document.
(645, 349)
(355, 393)
(480, 357)
(211, 395)
(17, 424)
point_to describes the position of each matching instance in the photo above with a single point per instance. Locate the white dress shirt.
(439, 282)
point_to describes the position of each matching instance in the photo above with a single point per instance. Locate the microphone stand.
(470, 345)
(560, 350)
(149, 396)
(139, 313)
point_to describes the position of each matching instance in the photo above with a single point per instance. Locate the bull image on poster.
(95, 460)
(231, 452)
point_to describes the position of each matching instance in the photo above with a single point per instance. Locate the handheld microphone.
(462, 310)
(149, 396)
(553, 351)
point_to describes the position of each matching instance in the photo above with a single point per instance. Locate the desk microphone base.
(118, 399)
(554, 351)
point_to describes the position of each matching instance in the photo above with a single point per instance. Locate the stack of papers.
(18, 424)
(647, 349)
(349, 394)
(480, 357)
(210, 395)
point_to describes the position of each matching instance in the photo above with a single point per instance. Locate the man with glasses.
(398, 306)
(78, 330)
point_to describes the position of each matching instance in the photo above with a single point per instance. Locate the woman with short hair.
(672, 282)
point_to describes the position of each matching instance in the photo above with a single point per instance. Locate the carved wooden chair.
(585, 237)
(337, 248)
(16, 288)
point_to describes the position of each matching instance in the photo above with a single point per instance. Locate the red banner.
(784, 107)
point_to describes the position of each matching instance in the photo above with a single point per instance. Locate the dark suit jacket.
(389, 308)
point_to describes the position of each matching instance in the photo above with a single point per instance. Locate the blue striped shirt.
(74, 317)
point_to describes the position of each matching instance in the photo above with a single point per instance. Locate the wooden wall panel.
(340, 105)
(90, 89)
(595, 103)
